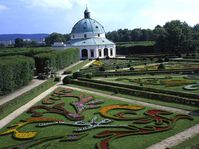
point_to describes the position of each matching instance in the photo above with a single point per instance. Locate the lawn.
(132, 118)
(14, 104)
(173, 82)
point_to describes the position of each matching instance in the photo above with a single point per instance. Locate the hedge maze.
(72, 116)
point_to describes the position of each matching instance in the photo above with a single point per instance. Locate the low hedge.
(144, 94)
(142, 88)
(152, 72)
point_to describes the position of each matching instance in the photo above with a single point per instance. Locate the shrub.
(67, 72)
(15, 72)
(89, 75)
(67, 80)
(101, 68)
(55, 60)
(117, 67)
(166, 59)
(57, 79)
(161, 67)
(160, 60)
(77, 74)
(132, 68)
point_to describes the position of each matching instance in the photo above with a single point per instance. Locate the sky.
(47, 16)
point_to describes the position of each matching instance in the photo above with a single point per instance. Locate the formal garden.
(70, 118)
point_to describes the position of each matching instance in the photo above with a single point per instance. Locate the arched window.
(100, 52)
(85, 36)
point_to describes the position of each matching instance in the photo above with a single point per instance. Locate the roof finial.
(86, 13)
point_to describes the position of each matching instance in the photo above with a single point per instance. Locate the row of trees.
(173, 36)
(15, 71)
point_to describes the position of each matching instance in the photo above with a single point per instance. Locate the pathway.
(177, 139)
(34, 83)
(88, 64)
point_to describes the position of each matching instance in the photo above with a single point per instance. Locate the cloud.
(3, 7)
(57, 4)
(161, 11)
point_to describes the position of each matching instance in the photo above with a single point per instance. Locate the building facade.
(88, 36)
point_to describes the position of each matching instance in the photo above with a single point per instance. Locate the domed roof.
(87, 25)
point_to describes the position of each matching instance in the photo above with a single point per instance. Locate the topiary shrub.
(101, 68)
(166, 59)
(67, 72)
(160, 60)
(77, 74)
(161, 67)
(57, 79)
(89, 75)
(117, 67)
(67, 80)
(131, 68)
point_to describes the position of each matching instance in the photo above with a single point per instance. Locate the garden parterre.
(70, 118)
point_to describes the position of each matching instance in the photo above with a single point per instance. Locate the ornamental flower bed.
(77, 117)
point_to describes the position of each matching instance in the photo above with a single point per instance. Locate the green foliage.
(19, 43)
(56, 37)
(77, 74)
(24, 51)
(161, 67)
(56, 60)
(15, 71)
(67, 80)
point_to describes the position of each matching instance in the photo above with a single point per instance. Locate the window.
(98, 35)
(111, 52)
(92, 53)
(73, 36)
(85, 36)
(100, 53)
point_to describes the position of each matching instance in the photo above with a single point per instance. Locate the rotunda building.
(88, 36)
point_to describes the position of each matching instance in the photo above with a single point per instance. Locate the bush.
(132, 68)
(161, 67)
(67, 80)
(77, 74)
(166, 59)
(55, 60)
(117, 67)
(15, 72)
(57, 79)
(160, 60)
(89, 75)
(101, 68)
(67, 72)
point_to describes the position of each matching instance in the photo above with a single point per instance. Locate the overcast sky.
(47, 16)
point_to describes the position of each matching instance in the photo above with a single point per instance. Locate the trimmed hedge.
(56, 59)
(15, 71)
(144, 94)
(127, 73)
(142, 88)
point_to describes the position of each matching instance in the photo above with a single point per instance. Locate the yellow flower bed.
(98, 63)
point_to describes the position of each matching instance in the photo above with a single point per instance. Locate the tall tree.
(19, 43)
(54, 37)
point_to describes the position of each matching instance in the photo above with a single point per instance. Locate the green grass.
(156, 102)
(14, 104)
(78, 66)
(191, 143)
(163, 87)
(137, 141)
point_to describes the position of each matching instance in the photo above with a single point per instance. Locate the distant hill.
(12, 37)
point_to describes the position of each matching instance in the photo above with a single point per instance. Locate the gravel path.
(176, 139)
(34, 83)
(88, 64)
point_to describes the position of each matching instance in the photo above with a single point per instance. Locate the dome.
(87, 25)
